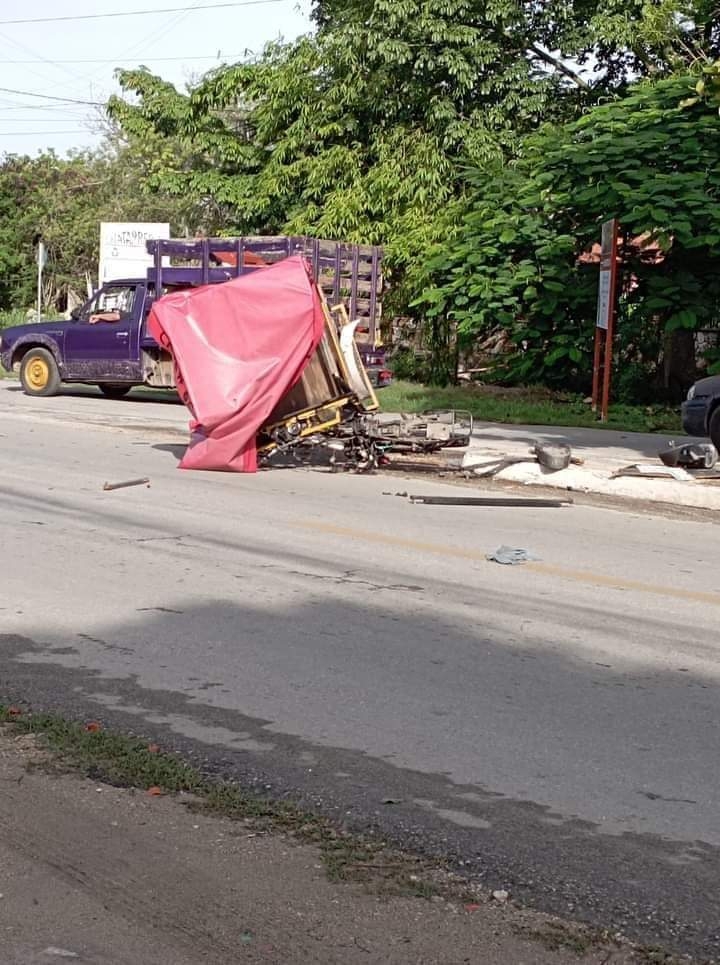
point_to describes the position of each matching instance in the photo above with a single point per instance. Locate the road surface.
(551, 727)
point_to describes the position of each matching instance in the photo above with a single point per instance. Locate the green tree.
(362, 130)
(518, 260)
(358, 131)
(65, 199)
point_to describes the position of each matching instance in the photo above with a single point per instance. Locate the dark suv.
(701, 410)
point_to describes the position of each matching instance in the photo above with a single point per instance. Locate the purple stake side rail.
(106, 341)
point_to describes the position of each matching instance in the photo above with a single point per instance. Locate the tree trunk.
(679, 362)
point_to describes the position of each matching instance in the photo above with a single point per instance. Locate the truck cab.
(99, 344)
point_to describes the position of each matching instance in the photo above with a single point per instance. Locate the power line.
(42, 108)
(38, 133)
(37, 57)
(49, 97)
(63, 119)
(137, 13)
(124, 60)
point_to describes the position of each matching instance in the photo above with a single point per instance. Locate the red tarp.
(238, 347)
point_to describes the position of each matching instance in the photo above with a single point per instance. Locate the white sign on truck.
(122, 248)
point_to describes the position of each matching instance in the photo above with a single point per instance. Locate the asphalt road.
(552, 728)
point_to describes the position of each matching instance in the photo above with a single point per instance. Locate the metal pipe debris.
(129, 482)
(489, 501)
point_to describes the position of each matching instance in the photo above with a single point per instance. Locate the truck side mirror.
(76, 312)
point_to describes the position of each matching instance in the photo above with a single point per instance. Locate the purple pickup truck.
(106, 343)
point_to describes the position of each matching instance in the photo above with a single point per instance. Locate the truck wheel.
(39, 373)
(114, 390)
(714, 428)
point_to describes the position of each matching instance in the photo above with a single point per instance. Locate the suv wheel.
(714, 427)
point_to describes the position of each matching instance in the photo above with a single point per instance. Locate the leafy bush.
(517, 258)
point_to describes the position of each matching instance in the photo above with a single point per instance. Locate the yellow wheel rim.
(37, 373)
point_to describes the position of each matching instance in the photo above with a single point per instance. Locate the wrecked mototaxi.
(264, 366)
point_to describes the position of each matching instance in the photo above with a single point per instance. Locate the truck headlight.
(691, 393)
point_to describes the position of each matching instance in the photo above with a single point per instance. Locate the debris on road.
(265, 366)
(508, 556)
(651, 471)
(695, 455)
(501, 895)
(508, 501)
(494, 466)
(429, 432)
(553, 457)
(706, 475)
(268, 368)
(108, 487)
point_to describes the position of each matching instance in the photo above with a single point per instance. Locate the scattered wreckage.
(267, 369)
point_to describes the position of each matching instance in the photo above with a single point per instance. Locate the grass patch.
(526, 406)
(14, 317)
(558, 936)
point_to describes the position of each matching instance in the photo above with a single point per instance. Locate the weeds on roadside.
(527, 406)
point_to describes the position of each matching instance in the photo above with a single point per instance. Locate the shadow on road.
(177, 451)
(136, 395)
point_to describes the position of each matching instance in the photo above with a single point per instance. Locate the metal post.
(596, 370)
(605, 321)
(41, 265)
(374, 275)
(158, 267)
(354, 282)
(610, 333)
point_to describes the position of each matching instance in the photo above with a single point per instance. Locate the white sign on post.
(122, 248)
(603, 308)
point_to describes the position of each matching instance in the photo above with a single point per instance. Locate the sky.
(75, 59)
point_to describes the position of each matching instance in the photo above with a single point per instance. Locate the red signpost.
(605, 322)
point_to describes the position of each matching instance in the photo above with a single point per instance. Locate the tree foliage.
(65, 199)
(358, 131)
(361, 131)
(518, 262)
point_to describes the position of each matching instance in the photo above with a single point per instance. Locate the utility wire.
(126, 60)
(62, 119)
(136, 13)
(7, 105)
(38, 133)
(49, 97)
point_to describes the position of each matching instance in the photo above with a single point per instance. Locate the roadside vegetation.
(13, 317)
(526, 405)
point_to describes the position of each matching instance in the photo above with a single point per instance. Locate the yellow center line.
(546, 569)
